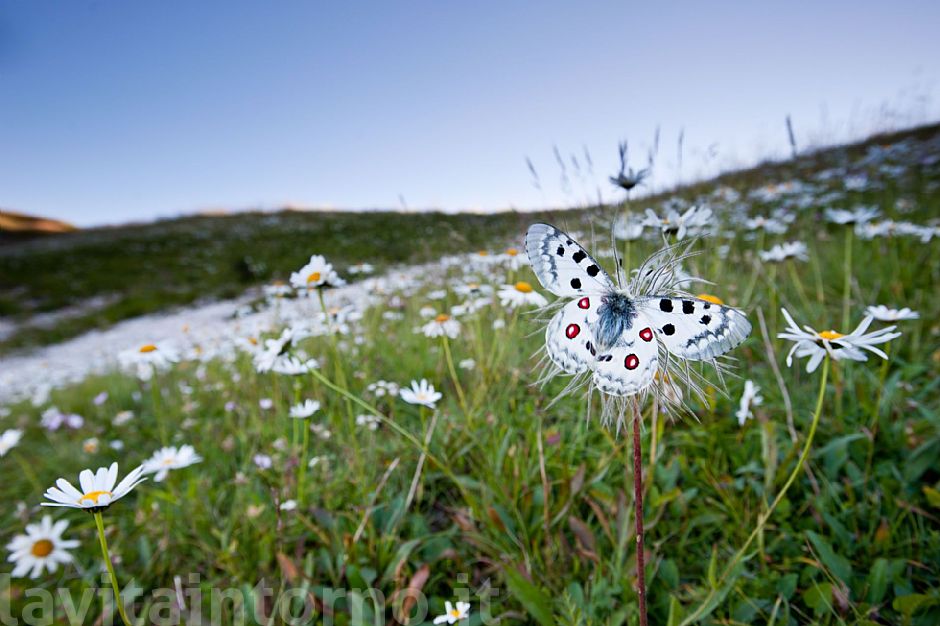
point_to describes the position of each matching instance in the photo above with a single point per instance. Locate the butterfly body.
(617, 335)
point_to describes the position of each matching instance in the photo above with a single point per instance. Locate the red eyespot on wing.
(631, 362)
(646, 334)
(584, 303)
(572, 331)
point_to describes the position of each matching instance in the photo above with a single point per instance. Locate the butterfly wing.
(695, 329)
(561, 265)
(631, 365)
(568, 337)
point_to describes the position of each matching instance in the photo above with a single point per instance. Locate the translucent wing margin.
(561, 265)
(695, 329)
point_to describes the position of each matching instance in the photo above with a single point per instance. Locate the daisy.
(9, 439)
(750, 397)
(628, 228)
(41, 548)
(316, 273)
(453, 614)
(361, 268)
(767, 224)
(858, 215)
(817, 345)
(692, 222)
(304, 409)
(369, 421)
(149, 359)
(783, 251)
(441, 326)
(519, 295)
(383, 387)
(422, 393)
(885, 314)
(170, 458)
(98, 490)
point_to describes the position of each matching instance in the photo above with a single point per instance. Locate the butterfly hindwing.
(695, 329)
(631, 365)
(568, 337)
(561, 265)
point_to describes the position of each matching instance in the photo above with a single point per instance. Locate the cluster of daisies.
(42, 546)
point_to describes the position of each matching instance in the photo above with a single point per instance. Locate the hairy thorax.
(615, 315)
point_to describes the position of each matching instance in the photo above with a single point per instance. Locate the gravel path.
(31, 373)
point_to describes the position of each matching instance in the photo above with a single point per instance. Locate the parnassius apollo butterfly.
(621, 336)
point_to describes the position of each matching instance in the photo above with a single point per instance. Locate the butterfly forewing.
(695, 329)
(568, 337)
(631, 365)
(561, 265)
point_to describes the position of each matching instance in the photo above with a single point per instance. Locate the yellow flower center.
(830, 335)
(454, 613)
(523, 287)
(483, 253)
(313, 278)
(710, 298)
(94, 495)
(253, 341)
(279, 283)
(168, 461)
(42, 548)
(148, 348)
(443, 317)
(512, 252)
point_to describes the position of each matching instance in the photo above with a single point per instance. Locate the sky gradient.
(125, 111)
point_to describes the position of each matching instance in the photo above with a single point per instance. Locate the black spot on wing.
(665, 305)
(669, 329)
(593, 270)
(561, 251)
(575, 283)
(579, 256)
(706, 319)
(688, 307)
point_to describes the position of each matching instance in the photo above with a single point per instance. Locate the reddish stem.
(638, 512)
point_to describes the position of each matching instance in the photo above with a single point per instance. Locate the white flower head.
(170, 458)
(442, 326)
(149, 359)
(858, 215)
(692, 222)
(808, 342)
(453, 614)
(9, 439)
(316, 273)
(98, 491)
(40, 548)
(305, 409)
(783, 251)
(886, 314)
(519, 295)
(750, 397)
(368, 420)
(422, 393)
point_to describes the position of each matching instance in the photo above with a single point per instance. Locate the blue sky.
(119, 111)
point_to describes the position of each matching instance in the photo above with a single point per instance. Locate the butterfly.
(618, 336)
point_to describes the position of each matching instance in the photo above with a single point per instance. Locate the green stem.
(453, 373)
(847, 270)
(765, 517)
(107, 561)
(154, 397)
